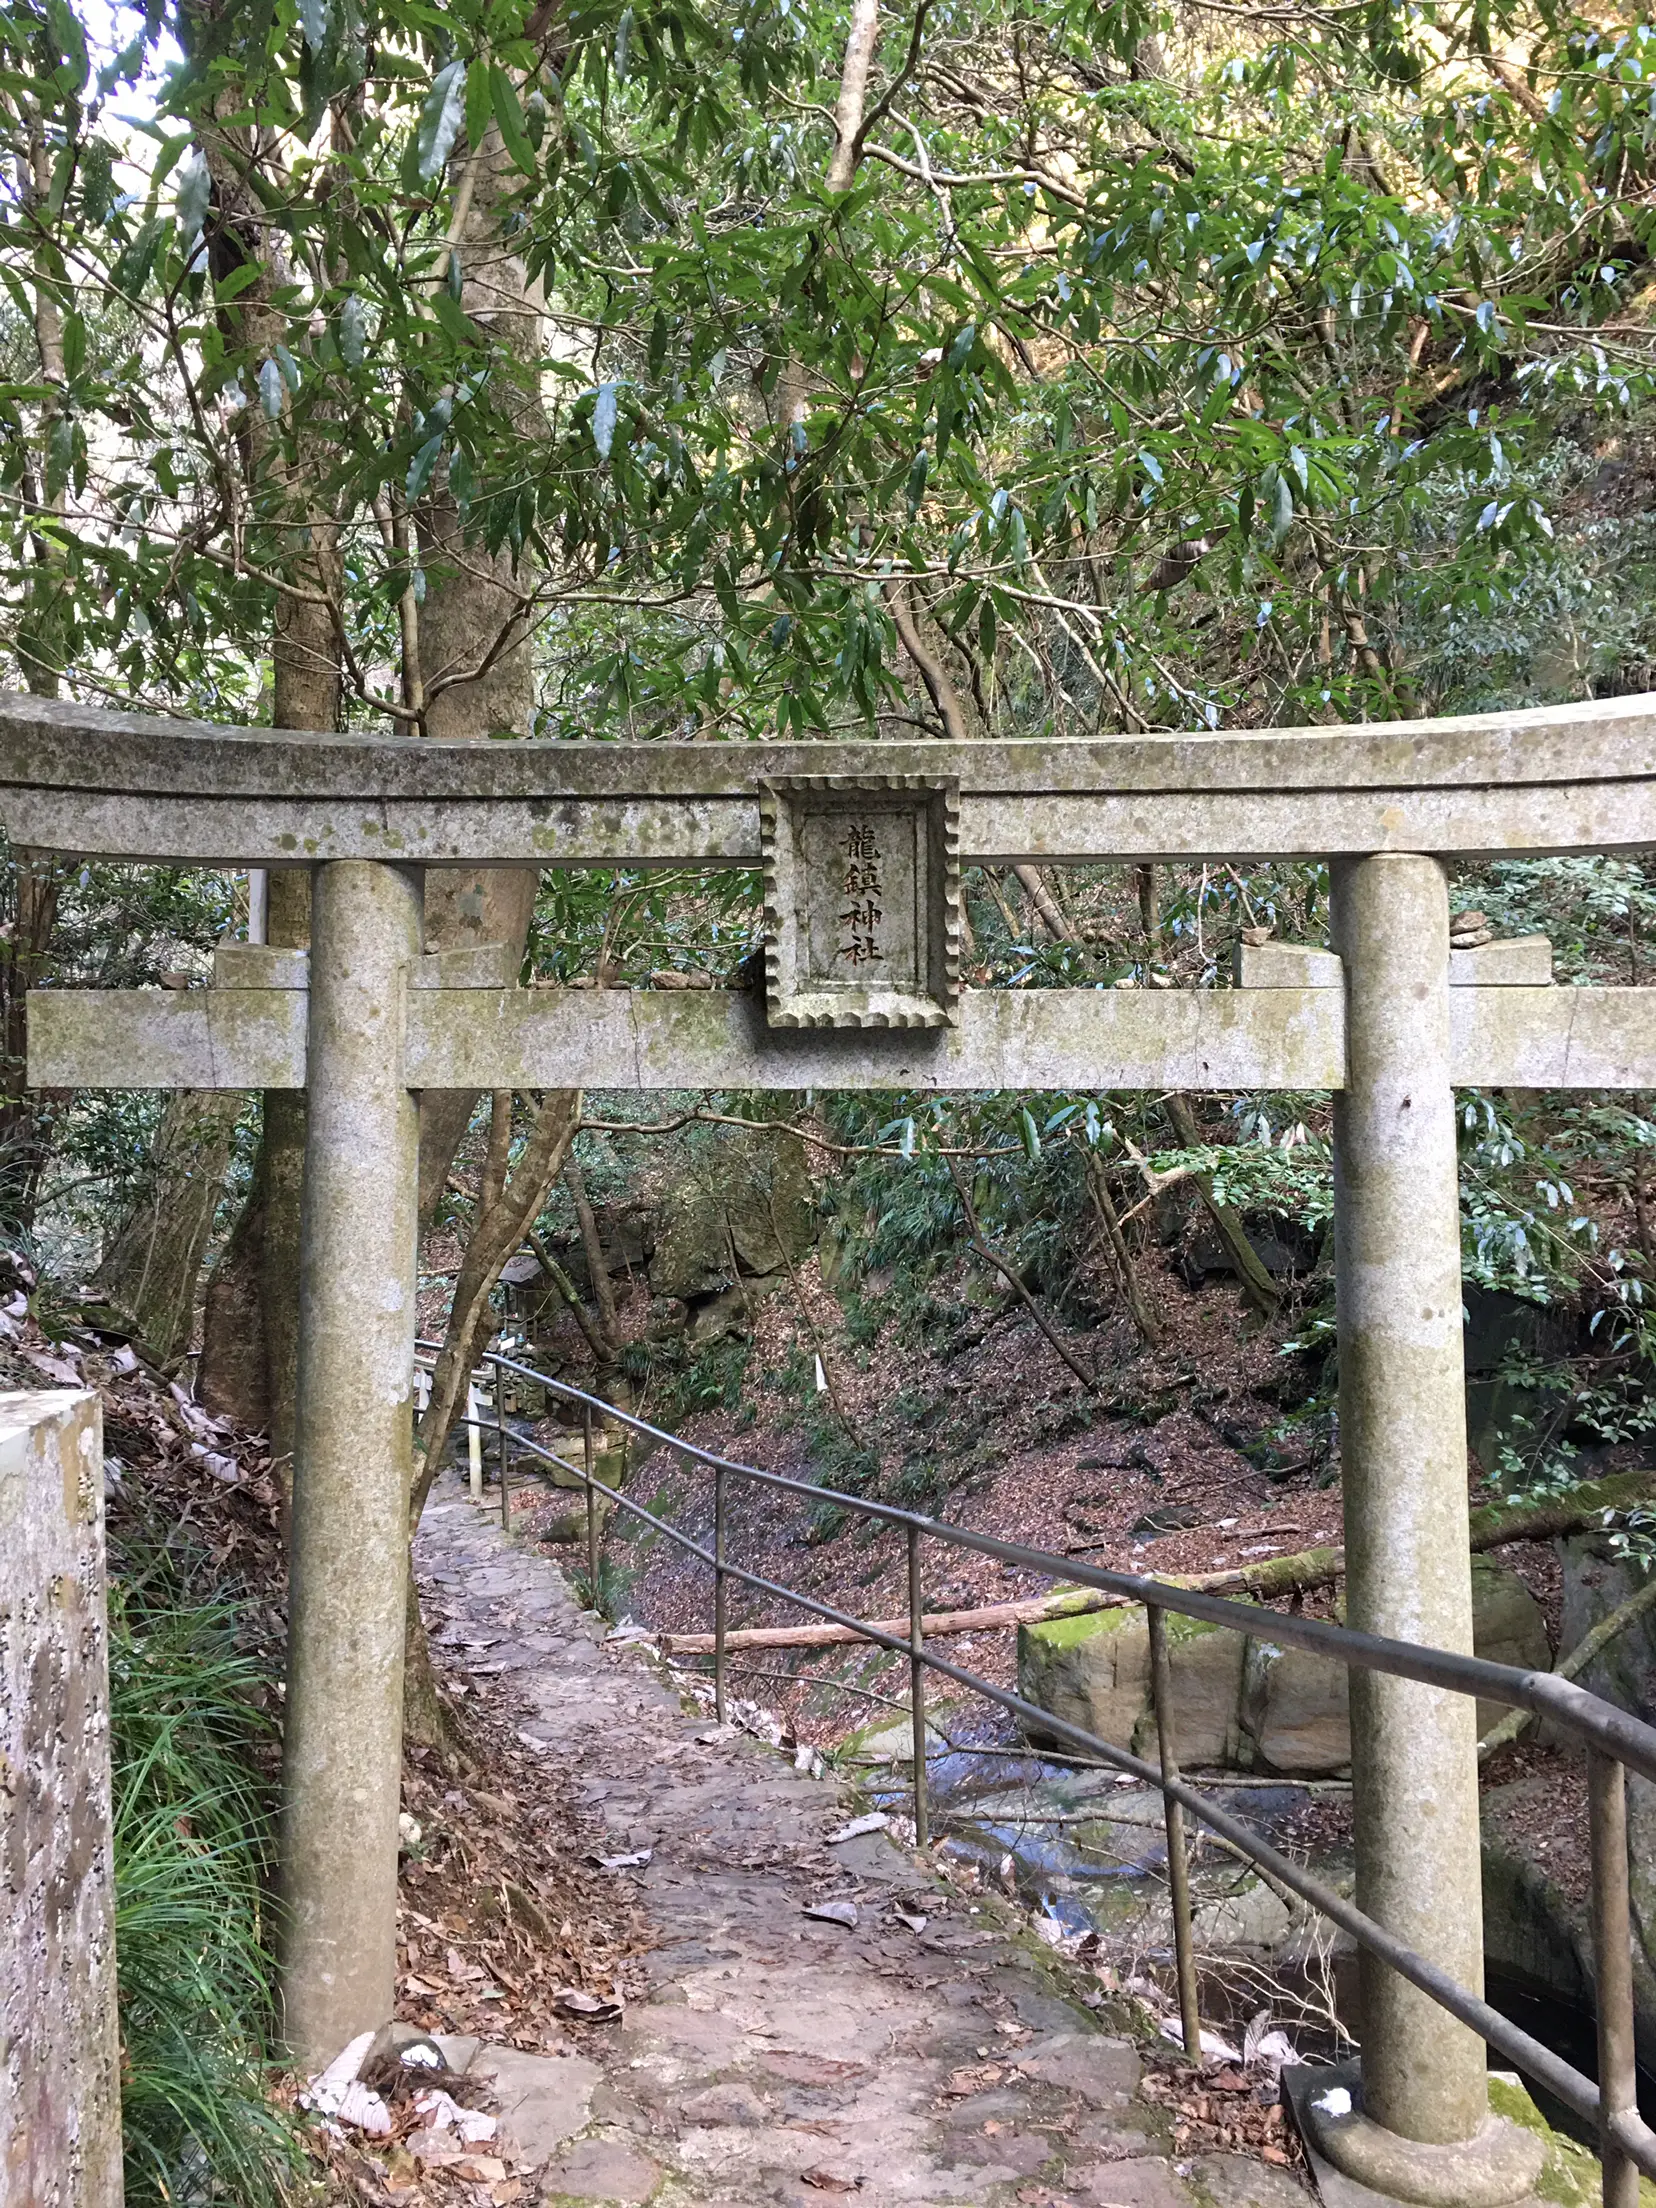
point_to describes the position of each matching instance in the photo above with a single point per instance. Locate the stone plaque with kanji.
(862, 901)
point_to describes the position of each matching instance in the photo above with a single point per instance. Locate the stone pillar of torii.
(862, 845)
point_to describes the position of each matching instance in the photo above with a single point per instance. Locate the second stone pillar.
(1424, 2130)
(353, 1433)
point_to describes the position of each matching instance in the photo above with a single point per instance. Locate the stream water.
(1086, 1848)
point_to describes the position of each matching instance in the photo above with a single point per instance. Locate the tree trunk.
(250, 1349)
(250, 1343)
(233, 1379)
(1121, 1257)
(149, 1273)
(506, 1211)
(38, 874)
(1257, 1285)
(474, 665)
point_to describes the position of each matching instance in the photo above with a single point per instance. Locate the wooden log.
(1032, 1611)
(1575, 1510)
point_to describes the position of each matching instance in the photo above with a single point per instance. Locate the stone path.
(780, 2058)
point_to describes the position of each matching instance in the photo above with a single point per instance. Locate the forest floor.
(1181, 1461)
(917, 2044)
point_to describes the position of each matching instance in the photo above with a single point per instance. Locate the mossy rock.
(1570, 2174)
(754, 1189)
(1240, 1703)
(1094, 1671)
(890, 1739)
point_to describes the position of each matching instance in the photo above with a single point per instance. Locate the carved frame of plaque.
(862, 873)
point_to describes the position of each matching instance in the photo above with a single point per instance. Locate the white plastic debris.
(634, 1862)
(1212, 2046)
(1277, 2052)
(337, 2091)
(124, 1359)
(875, 1821)
(469, 2125)
(409, 1833)
(1268, 2044)
(1335, 2102)
(421, 2055)
(327, 2089)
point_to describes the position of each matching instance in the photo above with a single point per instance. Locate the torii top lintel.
(130, 786)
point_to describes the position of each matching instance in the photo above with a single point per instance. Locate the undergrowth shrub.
(194, 1843)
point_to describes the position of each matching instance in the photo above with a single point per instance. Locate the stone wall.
(60, 2136)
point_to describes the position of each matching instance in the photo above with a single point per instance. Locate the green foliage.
(1184, 388)
(684, 1380)
(608, 1597)
(194, 1832)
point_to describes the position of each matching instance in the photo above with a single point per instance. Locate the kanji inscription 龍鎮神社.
(862, 880)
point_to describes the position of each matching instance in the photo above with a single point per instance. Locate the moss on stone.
(1570, 2173)
(1071, 1632)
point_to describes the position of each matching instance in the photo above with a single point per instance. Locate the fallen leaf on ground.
(976, 2078)
(833, 1912)
(589, 2008)
(827, 2181)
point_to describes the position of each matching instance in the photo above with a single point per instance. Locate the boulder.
(1095, 1671)
(1507, 1627)
(752, 1188)
(1295, 1710)
(1242, 1703)
(1597, 1581)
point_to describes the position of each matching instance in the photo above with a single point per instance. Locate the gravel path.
(931, 2053)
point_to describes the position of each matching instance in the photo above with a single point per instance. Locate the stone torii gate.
(862, 844)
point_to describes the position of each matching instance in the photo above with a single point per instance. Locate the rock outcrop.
(1240, 1703)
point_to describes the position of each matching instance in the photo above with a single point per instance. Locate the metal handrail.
(1615, 1741)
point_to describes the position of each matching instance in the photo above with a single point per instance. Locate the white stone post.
(60, 2096)
(1425, 2130)
(352, 1462)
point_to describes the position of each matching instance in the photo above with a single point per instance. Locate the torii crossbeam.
(862, 843)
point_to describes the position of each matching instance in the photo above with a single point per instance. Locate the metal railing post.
(1178, 1866)
(474, 1442)
(505, 1450)
(1613, 1968)
(591, 1504)
(720, 1697)
(917, 1692)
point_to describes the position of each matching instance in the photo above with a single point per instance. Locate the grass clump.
(192, 1752)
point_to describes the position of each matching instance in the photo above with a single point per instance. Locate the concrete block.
(467, 966)
(1518, 962)
(1287, 966)
(60, 2106)
(260, 966)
